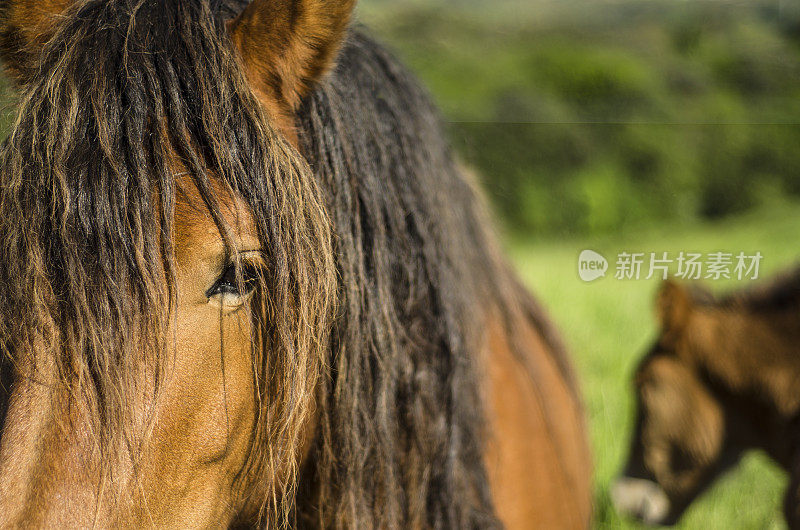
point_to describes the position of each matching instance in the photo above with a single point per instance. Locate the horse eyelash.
(250, 277)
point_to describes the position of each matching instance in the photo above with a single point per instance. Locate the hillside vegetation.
(598, 116)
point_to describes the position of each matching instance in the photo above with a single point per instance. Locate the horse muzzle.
(641, 499)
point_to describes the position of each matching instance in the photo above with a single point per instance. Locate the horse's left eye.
(230, 290)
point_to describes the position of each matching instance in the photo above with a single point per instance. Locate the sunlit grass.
(609, 323)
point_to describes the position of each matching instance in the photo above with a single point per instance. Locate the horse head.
(167, 268)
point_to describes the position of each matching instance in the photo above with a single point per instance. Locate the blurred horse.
(245, 283)
(722, 378)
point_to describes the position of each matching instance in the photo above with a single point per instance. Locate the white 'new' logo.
(591, 265)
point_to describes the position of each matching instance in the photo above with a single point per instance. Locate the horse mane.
(402, 422)
(131, 101)
(129, 93)
(780, 293)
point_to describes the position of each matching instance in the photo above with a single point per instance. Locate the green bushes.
(603, 117)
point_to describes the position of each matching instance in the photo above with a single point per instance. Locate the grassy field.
(609, 323)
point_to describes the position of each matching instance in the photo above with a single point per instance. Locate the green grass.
(608, 325)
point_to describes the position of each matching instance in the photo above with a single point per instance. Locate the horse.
(246, 283)
(720, 380)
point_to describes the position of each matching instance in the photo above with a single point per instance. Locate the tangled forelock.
(123, 94)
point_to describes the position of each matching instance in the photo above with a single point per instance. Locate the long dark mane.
(129, 93)
(401, 442)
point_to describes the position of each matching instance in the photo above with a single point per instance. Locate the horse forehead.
(197, 235)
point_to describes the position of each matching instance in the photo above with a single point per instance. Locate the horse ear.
(674, 304)
(25, 26)
(288, 45)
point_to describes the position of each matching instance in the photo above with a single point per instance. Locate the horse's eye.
(230, 290)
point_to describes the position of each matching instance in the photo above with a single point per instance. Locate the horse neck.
(752, 365)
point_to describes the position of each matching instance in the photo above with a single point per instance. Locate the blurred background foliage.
(590, 117)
